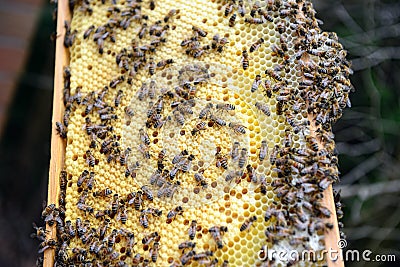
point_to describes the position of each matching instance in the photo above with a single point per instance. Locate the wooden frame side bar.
(58, 145)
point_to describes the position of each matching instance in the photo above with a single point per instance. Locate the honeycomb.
(198, 133)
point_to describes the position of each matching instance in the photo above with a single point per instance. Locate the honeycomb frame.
(57, 145)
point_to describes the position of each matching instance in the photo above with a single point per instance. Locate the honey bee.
(266, 15)
(263, 185)
(216, 233)
(152, 66)
(118, 97)
(232, 20)
(124, 156)
(256, 83)
(277, 50)
(147, 192)
(186, 258)
(256, 45)
(222, 161)
(103, 193)
(143, 220)
(273, 75)
(111, 238)
(279, 108)
(283, 43)
(199, 31)
(137, 200)
(147, 239)
(263, 150)
(115, 204)
(63, 180)
(237, 128)
(313, 143)
(198, 127)
(281, 27)
(83, 196)
(243, 157)
(174, 212)
(159, 106)
(324, 183)
(82, 177)
(90, 159)
(100, 45)
(225, 107)
(177, 158)
(40, 232)
(217, 121)
(241, 9)
(231, 175)
(116, 81)
(247, 224)
(245, 59)
(70, 36)
(252, 173)
(70, 229)
(235, 150)
(143, 92)
(84, 207)
(255, 8)
(165, 62)
(263, 108)
(321, 210)
(153, 211)
(191, 90)
(203, 257)
(170, 14)
(192, 229)
(186, 244)
(129, 113)
(142, 30)
(162, 192)
(186, 164)
(171, 188)
(61, 130)
(47, 244)
(122, 215)
(66, 116)
(144, 137)
(199, 52)
(225, 263)
(218, 43)
(154, 251)
(180, 119)
(228, 9)
(144, 150)
(188, 41)
(160, 159)
(88, 109)
(254, 20)
(200, 180)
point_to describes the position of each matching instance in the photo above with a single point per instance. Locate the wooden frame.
(58, 145)
(57, 154)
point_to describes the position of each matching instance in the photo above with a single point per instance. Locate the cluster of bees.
(302, 173)
(194, 46)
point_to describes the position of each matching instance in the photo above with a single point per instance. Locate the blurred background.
(367, 136)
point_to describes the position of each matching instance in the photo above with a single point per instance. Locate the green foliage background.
(368, 134)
